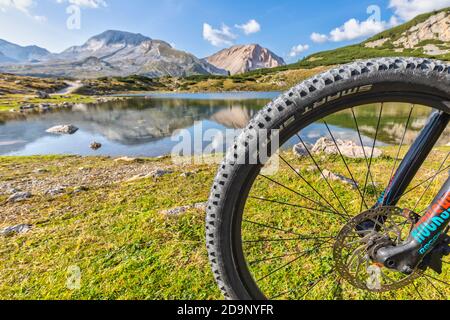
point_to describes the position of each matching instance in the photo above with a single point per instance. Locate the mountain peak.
(111, 37)
(243, 58)
(14, 52)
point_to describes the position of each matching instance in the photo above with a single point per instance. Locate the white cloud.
(41, 19)
(355, 29)
(94, 4)
(296, 50)
(319, 38)
(408, 9)
(218, 37)
(21, 5)
(250, 27)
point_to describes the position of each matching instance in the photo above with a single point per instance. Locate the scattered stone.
(138, 177)
(201, 205)
(18, 229)
(158, 173)
(337, 177)
(126, 159)
(63, 129)
(44, 107)
(187, 174)
(27, 107)
(348, 148)
(95, 146)
(180, 210)
(66, 105)
(39, 171)
(19, 196)
(42, 95)
(55, 191)
(11, 191)
(80, 189)
(300, 151)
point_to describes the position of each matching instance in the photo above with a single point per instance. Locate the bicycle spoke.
(323, 176)
(438, 280)
(281, 268)
(346, 165)
(309, 184)
(314, 284)
(362, 144)
(435, 288)
(288, 239)
(423, 182)
(371, 155)
(303, 196)
(429, 185)
(400, 146)
(417, 290)
(290, 204)
(273, 228)
(289, 254)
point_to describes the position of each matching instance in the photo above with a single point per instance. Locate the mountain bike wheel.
(286, 234)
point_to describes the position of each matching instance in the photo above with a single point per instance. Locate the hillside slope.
(427, 35)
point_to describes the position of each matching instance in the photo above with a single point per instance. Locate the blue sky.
(205, 26)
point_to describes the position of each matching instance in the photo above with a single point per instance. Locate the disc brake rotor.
(390, 226)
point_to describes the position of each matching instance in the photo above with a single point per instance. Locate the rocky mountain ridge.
(244, 58)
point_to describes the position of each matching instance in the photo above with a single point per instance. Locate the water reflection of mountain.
(131, 122)
(139, 122)
(392, 125)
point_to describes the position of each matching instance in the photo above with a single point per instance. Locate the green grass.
(127, 249)
(14, 101)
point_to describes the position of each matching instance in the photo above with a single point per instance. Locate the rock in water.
(63, 129)
(95, 146)
(18, 229)
(348, 149)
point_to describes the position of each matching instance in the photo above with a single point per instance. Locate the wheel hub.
(355, 249)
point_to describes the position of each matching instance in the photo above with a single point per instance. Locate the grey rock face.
(243, 58)
(347, 148)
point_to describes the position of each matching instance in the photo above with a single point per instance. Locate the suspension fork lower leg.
(414, 159)
(426, 234)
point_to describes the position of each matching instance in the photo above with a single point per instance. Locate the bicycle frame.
(430, 228)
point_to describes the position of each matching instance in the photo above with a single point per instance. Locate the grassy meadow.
(111, 223)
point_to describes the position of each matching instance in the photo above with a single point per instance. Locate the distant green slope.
(359, 51)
